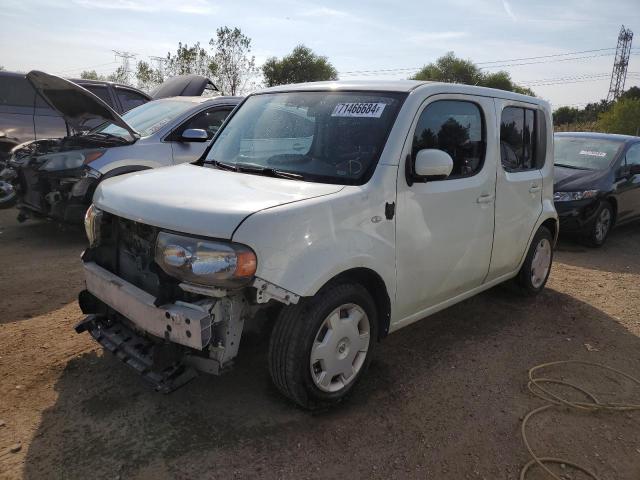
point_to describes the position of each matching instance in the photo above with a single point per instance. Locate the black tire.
(596, 238)
(525, 279)
(293, 337)
(8, 195)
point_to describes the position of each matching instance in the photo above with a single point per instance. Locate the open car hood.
(183, 86)
(76, 104)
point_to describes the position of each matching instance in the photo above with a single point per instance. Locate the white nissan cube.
(339, 211)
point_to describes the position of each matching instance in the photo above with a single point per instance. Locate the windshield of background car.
(329, 137)
(148, 118)
(585, 153)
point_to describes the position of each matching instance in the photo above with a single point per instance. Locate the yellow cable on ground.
(554, 400)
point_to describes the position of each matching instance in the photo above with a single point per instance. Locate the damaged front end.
(52, 178)
(164, 325)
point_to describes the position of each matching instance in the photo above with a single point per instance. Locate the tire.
(8, 195)
(536, 268)
(601, 226)
(309, 344)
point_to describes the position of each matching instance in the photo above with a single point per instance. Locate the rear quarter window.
(16, 91)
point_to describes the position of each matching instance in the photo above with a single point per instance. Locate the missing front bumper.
(159, 364)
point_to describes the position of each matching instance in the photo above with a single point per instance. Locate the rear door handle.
(535, 188)
(485, 199)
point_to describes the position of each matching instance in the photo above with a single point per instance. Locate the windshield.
(330, 137)
(585, 153)
(148, 118)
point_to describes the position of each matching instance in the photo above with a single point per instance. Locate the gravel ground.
(443, 399)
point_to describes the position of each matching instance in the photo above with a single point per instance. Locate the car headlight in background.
(205, 262)
(69, 160)
(92, 221)
(572, 196)
(87, 183)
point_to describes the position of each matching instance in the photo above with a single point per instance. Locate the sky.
(373, 39)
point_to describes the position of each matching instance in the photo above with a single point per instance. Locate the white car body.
(431, 244)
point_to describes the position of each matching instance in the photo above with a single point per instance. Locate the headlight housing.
(572, 196)
(69, 160)
(92, 222)
(205, 262)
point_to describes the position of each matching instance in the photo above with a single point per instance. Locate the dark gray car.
(25, 116)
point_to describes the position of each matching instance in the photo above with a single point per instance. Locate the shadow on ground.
(41, 268)
(443, 399)
(618, 255)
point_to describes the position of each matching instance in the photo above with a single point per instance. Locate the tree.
(1, 68)
(451, 69)
(623, 117)
(301, 65)
(633, 92)
(232, 66)
(147, 76)
(119, 76)
(91, 75)
(189, 60)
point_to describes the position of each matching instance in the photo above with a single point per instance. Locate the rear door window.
(100, 91)
(130, 99)
(518, 139)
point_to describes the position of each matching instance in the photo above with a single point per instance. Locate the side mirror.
(194, 135)
(634, 169)
(433, 163)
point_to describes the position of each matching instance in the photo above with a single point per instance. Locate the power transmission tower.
(126, 67)
(620, 63)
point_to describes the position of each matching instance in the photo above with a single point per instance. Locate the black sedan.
(597, 183)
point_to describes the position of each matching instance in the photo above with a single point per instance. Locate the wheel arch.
(614, 204)
(374, 283)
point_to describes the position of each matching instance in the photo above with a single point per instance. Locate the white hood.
(199, 200)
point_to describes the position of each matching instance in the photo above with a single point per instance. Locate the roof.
(406, 86)
(600, 136)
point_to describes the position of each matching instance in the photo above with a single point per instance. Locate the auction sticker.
(362, 110)
(591, 153)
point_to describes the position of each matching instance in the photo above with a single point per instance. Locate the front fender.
(301, 246)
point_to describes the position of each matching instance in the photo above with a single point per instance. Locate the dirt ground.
(444, 398)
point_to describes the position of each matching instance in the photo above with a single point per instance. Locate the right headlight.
(205, 262)
(572, 196)
(92, 221)
(68, 160)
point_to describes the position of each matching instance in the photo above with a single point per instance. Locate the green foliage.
(633, 92)
(623, 117)
(91, 75)
(451, 69)
(301, 65)
(189, 60)
(232, 64)
(147, 76)
(120, 76)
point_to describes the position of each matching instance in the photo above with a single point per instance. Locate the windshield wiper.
(570, 166)
(257, 169)
(106, 135)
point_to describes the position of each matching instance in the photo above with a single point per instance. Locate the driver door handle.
(535, 188)
(485, 199)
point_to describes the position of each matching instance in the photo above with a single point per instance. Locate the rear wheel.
(601, 226)
(536, 268)
(320, 349)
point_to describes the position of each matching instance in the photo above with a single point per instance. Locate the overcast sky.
(69, 36)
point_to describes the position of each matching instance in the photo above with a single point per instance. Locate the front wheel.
(8, 195)
(320, 349)
(536, 268)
